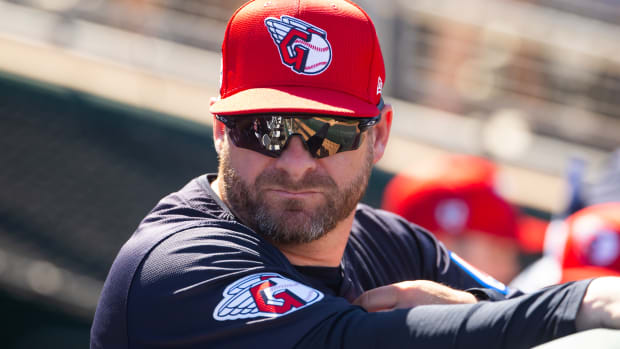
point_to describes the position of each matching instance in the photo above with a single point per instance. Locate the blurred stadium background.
(103, 110)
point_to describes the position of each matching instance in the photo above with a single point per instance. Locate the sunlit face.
(294, 198)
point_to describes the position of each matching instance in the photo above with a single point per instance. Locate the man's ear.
(381, 131)
(219, 130)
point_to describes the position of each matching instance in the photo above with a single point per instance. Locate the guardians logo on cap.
(303, 47)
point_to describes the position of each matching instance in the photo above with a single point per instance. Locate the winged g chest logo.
(303, 47)
(264, 295)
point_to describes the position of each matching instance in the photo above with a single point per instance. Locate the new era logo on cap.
(302, 46)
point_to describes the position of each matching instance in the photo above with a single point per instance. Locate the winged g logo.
(264, 295)
(303, 47)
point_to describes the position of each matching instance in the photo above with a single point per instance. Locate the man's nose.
(295, 159)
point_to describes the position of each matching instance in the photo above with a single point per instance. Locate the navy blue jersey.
(193, 276)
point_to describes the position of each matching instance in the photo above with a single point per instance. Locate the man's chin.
(291, 225)
(295, 206)
(293, 217)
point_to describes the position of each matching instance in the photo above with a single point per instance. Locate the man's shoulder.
(367, 210)
(388, 228)
(194, 210)
(207, 252)
(183, 254)
(196, 200)
(191, 218)
(378, 219)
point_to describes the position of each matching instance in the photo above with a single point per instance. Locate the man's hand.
(408, 294)
(600, 306)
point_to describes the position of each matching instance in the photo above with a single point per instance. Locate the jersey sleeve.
(210, 287)
(520, 322)
(452, 270)
(391, 249)
(197, 290)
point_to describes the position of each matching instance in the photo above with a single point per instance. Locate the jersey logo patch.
(264, 295)
(303, 47)
(484, 279)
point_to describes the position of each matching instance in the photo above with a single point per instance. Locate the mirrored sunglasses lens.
(328, 136)
(273, 133)
(323, 136)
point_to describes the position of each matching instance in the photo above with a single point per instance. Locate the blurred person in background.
(580, 195)
(455, 197)
(590, 248)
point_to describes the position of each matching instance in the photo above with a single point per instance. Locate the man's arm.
(415, 254)
(601, 305)
(408, 294)
(599, 308)
(174, 297)
(520, 322)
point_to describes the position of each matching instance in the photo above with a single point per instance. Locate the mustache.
(280, 179)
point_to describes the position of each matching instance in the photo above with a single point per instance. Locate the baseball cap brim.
(586, 272)
(294, 99)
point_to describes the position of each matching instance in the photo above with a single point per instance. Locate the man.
(590, 248)
(455, 198)
(273, 251)
(580, 194)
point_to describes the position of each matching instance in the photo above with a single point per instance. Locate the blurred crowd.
(458, 198)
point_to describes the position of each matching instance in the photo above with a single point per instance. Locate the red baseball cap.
(303, 56)
(457, 197)
(593, 243)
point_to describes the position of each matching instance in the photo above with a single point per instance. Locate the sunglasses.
(322, 135)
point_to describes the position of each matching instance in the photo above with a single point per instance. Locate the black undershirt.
(331, 277)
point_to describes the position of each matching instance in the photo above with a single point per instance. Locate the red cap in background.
(306, 56)
(593, 243)
(531, 233)
(459, 197)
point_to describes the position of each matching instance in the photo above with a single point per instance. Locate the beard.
(291, 221)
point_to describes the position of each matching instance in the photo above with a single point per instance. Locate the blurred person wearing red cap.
(457, 201)
(593, 244)
(588, 247)
(276, 251)
(580, 194)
